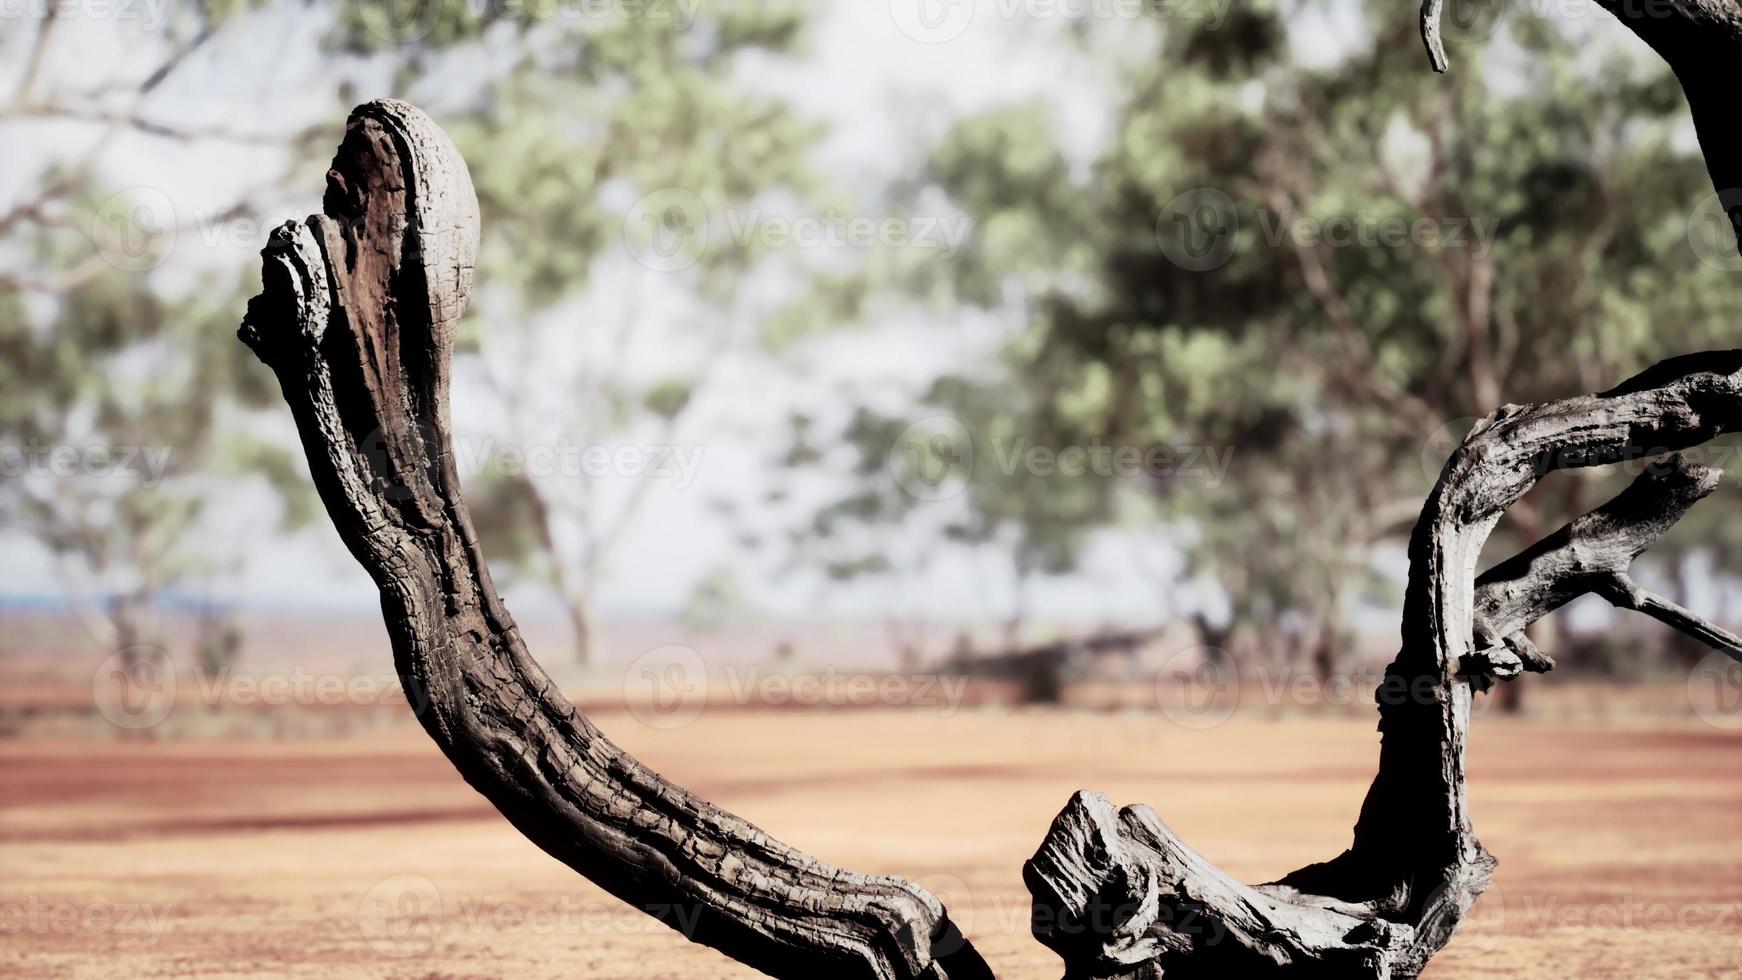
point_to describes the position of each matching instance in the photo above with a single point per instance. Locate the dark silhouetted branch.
(1119, 897)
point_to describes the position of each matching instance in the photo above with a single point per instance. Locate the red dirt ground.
(366, 856)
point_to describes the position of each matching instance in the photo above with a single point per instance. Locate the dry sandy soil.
(1620, 847)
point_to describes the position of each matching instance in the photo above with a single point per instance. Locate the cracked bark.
(1117, 895)
(356, 318)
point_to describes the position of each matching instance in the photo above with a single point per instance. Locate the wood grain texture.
(1118, 896)
(356, 318)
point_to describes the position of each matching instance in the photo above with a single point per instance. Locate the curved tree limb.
(356, 318)
(1119, 896)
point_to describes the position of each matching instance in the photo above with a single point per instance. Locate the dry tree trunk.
(1117, 895)
(356, 318)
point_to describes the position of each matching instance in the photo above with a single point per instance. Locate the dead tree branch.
(1590, 555)
(1117, 895)
(356, 318)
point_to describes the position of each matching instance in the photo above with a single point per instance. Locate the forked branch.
(1590, 555)
(1117, 895)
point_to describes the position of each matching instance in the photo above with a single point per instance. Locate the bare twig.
(38, 48)
(1625, 593)
(1430, 35)
(134, 120)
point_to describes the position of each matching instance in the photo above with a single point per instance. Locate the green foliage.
(667, 399)
(1325, 368)
(127, 388)
(716, 600)
(599, 133)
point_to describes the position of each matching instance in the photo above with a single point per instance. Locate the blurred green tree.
(121, 388)
(1329, 270)
(624, 168)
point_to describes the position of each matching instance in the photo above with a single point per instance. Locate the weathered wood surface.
(1118, 896)
(356, 318)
